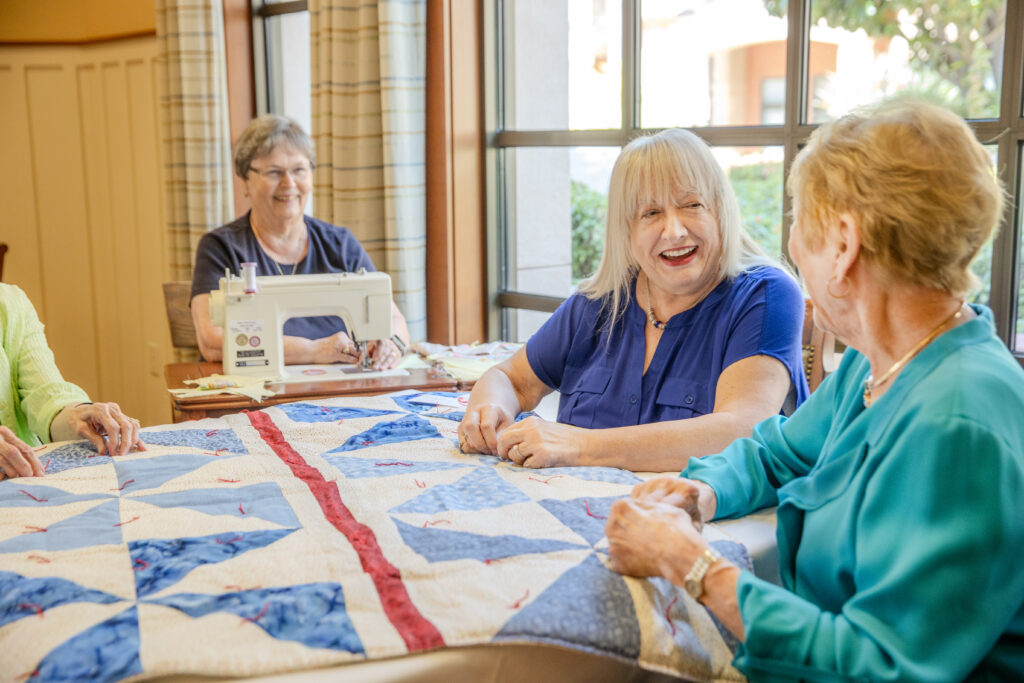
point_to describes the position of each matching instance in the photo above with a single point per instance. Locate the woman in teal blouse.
(900, 482)
(37, 405)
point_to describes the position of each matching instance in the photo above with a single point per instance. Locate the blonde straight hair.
(654, 167)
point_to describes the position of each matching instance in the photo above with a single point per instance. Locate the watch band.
(693, 582)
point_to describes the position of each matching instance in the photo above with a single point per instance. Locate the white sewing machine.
(252, 310)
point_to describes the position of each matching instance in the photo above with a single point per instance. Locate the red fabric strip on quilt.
(416, 631)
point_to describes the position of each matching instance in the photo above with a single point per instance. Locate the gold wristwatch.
(693, 582)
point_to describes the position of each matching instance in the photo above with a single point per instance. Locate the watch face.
(693, 587)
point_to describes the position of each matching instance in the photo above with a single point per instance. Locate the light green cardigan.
(32, 390)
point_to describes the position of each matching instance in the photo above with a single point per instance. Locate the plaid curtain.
(368, 64)
(194, 128)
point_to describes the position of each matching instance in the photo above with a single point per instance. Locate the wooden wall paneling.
(150, 259)
(123, 260)
(102, 237)
(440, 238)
(68, 296)
(456, 272)
(468, 175)
(18, 219)
(240, 79)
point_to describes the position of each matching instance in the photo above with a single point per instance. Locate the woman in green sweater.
(37, 405)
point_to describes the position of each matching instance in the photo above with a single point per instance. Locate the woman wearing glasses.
(275, 159)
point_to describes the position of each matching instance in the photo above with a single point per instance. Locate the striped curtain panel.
(368, 64)
(194, 128)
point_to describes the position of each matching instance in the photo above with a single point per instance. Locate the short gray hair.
(263, 134)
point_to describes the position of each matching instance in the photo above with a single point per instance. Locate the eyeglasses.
(276, 175)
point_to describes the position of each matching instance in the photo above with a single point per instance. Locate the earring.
(828, 288)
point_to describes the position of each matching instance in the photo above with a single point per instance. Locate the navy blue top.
(331, 250)
(760, 312)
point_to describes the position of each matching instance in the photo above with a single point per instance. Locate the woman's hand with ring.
(480, 426)
(384, 354)
(535, 442)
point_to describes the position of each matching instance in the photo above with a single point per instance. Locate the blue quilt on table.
(313, 534)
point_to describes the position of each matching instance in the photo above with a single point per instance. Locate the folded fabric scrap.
(467, 361)
(253, 387)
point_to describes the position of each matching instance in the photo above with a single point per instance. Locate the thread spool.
(249, 278)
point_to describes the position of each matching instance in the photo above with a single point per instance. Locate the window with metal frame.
(571, 81)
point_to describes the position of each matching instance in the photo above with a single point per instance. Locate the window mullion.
(796, 132)
(1010, 133)
(630, 64)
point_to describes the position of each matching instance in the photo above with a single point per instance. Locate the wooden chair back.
(3, 250)
(177, 296)
(819, 349)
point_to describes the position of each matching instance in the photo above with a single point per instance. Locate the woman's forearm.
(495, 388)
(662, 446)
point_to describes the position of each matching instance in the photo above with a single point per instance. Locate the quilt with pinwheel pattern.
(313, 534)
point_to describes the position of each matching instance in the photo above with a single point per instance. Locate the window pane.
(982, 265)
(554, 83)
(756, 177)
(861, 52)
(1018, 342)
(701, 65)
(288, 74)
(557, 211)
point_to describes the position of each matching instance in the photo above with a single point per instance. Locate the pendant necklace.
(658, 325)
(653, 319)
(870, 384)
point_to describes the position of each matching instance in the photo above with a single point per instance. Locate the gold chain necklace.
(281, 272)
(870, 384)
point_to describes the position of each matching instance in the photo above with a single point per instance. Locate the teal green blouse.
(32, 390)
(900, 526)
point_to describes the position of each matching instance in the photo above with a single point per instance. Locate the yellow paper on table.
(467, 362)
(252, 387)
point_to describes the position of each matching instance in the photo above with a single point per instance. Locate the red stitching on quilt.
(419, 484)
(236, 538)
(142, 564)
(30, 674)
(128, 522)
(34, 529)
(519, 603)
(435, 522)
(38, 500)
(229, 481)
(586, 503)
(546, 481)
(668, 609)
(38, 609)
(121, 487)
(416, 631)
(216, 452)
(367, 443)
(38, 558)
(47, 465)
(211, 432)
(258, 616)
(240, 508)
(390, 464)
(235, 587)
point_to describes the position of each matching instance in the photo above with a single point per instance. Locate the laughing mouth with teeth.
(677, 255)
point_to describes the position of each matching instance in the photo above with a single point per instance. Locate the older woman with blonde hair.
(685, 338)
(899, 483)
